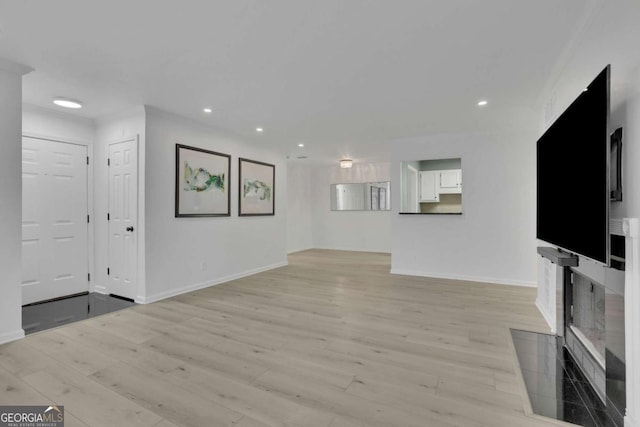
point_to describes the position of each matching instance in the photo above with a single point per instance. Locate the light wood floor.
(331, 340)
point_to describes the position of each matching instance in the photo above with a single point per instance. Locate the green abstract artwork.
(257, 189)
(199, 179)
(202, 182)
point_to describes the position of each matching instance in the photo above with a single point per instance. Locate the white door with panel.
(123, 219)
(429, 184)
(54, 219)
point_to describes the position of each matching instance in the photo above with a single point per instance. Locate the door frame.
(138, 298)
(90, 193)
(416, 185)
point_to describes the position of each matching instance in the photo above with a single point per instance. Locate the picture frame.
(256, 189)
(203, 180)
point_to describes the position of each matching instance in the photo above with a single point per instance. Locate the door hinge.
(87, 159)
(108, 162)
(108, 217)
(88, 220)
(88, 277)
(108, 271)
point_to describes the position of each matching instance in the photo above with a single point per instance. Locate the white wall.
(38, 121)
(189, 253)
(494, 239)
(350, 230)
(299, 209)
(609, 37)
(627, 115)
(10, 204)
(109, 130)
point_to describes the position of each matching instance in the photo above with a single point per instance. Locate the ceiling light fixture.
(482, 103)
(67, 103)
(207, 110)
(346, 163)
(301, 145)
(259, 129)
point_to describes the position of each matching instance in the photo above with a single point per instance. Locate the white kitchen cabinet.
(450, 181)
(429, 186)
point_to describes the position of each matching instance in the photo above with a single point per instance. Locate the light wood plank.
(81, 358)
(332, 339)
(258, 404)
(88, 401)
(14, 391)
(179, 405)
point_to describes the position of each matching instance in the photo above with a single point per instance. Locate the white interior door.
(54, 220)
(123, 218)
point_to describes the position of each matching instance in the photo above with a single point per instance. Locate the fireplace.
(587, 317)
(557, 271)
(594, 298)
(585, 329)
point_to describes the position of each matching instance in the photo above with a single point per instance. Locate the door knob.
(130, 228)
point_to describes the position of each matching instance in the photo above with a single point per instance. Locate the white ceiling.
(342, 76)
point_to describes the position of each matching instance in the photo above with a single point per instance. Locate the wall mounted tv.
(573, 175)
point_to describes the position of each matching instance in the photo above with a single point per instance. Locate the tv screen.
(573, 175)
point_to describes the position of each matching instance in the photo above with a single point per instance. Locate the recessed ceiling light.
(259, 129)
(301, 145)
(482, 103)
(207, 110)
(67, 103)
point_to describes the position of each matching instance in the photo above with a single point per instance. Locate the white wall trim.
(55, 138)
(631, 230)
(198, 286)
(352, 249)
(488, 280)
(545, 315)
(293, 251)
(100, 289)
(11, 336)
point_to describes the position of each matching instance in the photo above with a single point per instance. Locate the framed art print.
(202, 182)
(257, 188)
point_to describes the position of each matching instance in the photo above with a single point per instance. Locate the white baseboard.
(100, 289)
(490, 280)
(293, 251)
(198, 286)
(351, 249)
(11, 336)
(546, 317)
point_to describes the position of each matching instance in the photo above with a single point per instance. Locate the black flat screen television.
(573, 175)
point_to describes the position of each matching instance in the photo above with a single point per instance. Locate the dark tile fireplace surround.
(578, 375)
